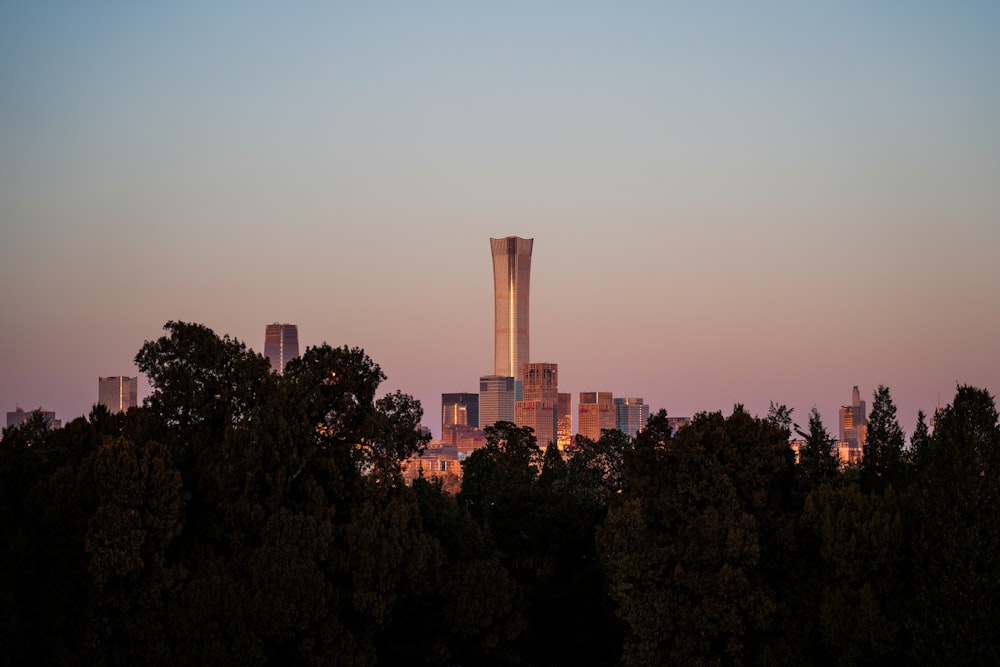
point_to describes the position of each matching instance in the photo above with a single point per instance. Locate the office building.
(118, 393)
(465, 439)
(20, 417)
(540, 416)
(539, 407)
(460, 408)
(853, 429)
(496, 399)
(631, 415)
(281, 345)
(511, 278)
(596, 412)
(564, 420)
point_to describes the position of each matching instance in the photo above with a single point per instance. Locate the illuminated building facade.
(564, 420)
(281, 345)
(460, 408)
(596, 412)
(631, 415)
(465, 439)
(511, 278)
(118, 393)
(496, 399)
(539, 408)
(853, 429)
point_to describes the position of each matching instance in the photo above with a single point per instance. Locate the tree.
(862, 574)
(882, 458)
(695, 548)
(817, 457)
(956, 539)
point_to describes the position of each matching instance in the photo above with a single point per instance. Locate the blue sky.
(730, 202)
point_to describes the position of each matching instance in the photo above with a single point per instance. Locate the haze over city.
(730, 204)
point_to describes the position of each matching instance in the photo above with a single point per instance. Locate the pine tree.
(882, 461)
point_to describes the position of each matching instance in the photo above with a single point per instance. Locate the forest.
(241, 517)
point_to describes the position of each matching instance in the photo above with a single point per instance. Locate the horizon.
(729, 204)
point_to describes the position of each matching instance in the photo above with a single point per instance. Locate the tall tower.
(511, 276)
(853, 428)
(539, 408)
(281, 344)
(118, 393)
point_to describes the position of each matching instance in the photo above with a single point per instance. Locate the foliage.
(244, 517)
(882, 459)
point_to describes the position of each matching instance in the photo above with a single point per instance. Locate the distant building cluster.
(519, 390)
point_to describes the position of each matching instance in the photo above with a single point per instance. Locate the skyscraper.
(853, 429)
(496, 399)
(565, 420)
(511, 277)
(460, 408)
(539, 408)
(118, 393)
(597, 412)
(281, 344)
(632, 415)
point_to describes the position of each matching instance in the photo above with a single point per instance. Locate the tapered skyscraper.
(281, 345)
(511, 275)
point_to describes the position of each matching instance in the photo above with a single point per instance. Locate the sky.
(731, 202)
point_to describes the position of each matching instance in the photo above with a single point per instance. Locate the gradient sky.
(731, 202)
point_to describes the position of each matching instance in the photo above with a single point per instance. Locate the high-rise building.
(20, 417)
(596, 412)
(565, 420)
(118, 393)
(540, 416)
(281, 345)
(496, 399)
(511, 278)
(539, 407)
(460, 408)
(631, 415)
(853, 429)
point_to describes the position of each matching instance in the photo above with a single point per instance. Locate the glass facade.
(511, 278)
(460, 408)
(496, 399)
(632, 415)
(118, 393)
(597, 412)
(281, 345)
(565, 420)
(853, 428)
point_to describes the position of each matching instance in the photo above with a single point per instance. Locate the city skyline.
(731, 204)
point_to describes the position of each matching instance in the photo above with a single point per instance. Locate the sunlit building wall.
(596, 412)
(853, 429)
(281, 345)
(460, 408)
(540, 416)
(631, 415)
(564, 420)
(540, 402)
(511, 278)
(465, 439)
(496, 399)
(118, 393)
